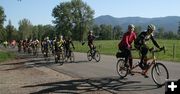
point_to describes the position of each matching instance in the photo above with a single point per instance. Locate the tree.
(3, 35)
(106, 32)
(40, 32)
(138, 30)
(74, 18)
(25, 29)
(10, 31)
(169, 35)
(161, 32)
(48, 31)
(2, 17)
(35, 32)
(179, 30)
(96, 30)
(117, 32)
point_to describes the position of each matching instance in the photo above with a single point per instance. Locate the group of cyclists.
(140, 43)
(59, 44)
(28, 45)
(48, 46)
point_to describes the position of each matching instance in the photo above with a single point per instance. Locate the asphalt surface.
(100, 76)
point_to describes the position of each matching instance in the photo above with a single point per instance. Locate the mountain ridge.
(169, 23)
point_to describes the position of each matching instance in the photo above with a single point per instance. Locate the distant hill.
(169, 23)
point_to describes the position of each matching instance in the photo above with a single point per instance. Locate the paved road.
(102, 76)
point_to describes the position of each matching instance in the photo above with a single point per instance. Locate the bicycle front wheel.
(121, 69)
(159, 74)
(89, 55)
(97, 56)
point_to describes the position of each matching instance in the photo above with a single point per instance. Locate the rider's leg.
(144, 56)
(90, 47)
(130, 59)
(144, 51)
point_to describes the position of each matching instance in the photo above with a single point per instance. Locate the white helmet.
(61, 37)
(131, 26)
(151, 27)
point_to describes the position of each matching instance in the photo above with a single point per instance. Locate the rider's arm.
(154, 41)
(127, 41)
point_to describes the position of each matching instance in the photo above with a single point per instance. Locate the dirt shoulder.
(16, 78)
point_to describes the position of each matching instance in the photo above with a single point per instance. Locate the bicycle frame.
(151, 64)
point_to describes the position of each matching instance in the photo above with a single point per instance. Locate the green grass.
(110, 47)
(6, 56)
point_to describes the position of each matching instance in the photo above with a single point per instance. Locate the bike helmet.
(90, 32)
(131, 26)
(151, 27)
(61, 37)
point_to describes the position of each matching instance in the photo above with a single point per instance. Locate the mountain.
(169, 23)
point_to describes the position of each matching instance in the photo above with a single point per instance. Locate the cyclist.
(25, 45)
(20, 44)
(91, 38)
(5, 43)
(61, 43)
(35, 44)
(125, 44)
(67, 44)
(54, 45)
(140, 44)
(46, 46)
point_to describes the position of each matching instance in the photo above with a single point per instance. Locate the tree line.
(74, 19)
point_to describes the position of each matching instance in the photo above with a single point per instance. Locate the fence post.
(174, 50)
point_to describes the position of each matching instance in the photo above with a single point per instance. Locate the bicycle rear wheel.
(159, 74)
(89, 55)
(97, 56)
(121, 69)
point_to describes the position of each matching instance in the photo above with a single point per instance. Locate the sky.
(40, 11)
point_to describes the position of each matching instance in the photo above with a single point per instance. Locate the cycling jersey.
(127, 39)
(142, 38)
(60, 43)
(91, 38)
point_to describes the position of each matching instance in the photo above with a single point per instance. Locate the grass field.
(6, 56)
(110, 47)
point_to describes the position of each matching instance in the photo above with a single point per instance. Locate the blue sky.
(39, 11)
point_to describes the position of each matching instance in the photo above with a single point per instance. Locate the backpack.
(120, 55)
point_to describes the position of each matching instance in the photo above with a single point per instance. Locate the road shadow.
(77, 61)
(23, 62)
(108, 84)
(28, 63)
